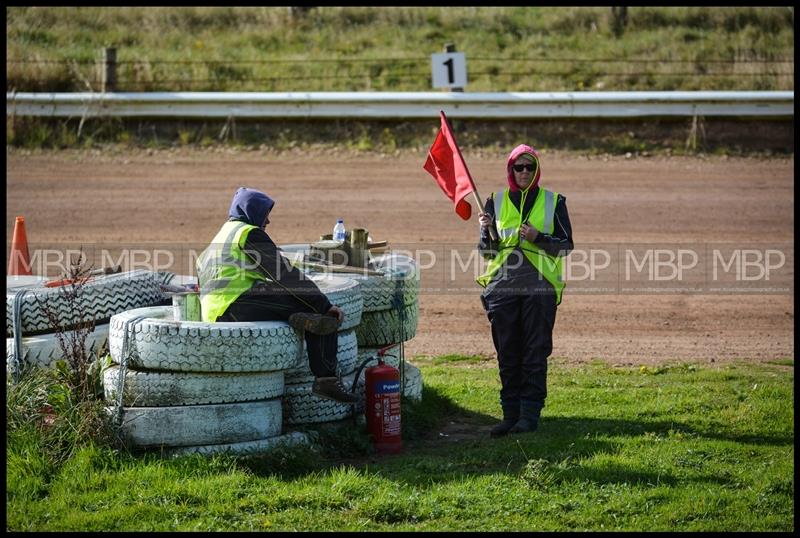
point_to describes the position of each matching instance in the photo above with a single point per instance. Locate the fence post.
(619, 17)
(451, 47)
(108, 70)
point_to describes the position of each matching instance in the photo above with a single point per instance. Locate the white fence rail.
(406, 105)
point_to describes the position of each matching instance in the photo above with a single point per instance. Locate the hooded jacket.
(253, 207)
(559, 243)
(513, 156)
(250, 206)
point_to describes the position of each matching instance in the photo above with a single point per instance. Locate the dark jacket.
(559, 243)
(253, 207)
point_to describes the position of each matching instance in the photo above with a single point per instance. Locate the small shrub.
(61, 409)
(41, 409)
(388, 141)
(538, 474)
(72, 338)
(185, 137)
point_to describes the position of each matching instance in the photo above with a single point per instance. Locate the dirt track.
(178, 198)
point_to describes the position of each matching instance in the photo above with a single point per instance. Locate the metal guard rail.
(406, 105)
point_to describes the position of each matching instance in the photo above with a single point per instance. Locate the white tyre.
(300, 406)
(392, 263)
(386, 326)
(379, 292)
(44, 351)
(99, 299)
(412, 382)
(14, 282)
(195, 425)
(384, 292)
(160, 389)
(259, 446)
(157, 342)
(395, 265)
(164, 277)
(346, 354)
(161, 343)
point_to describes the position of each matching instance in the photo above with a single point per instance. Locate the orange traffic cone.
(19, 262)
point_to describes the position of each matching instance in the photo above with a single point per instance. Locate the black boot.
(510, 417)
(529, 417)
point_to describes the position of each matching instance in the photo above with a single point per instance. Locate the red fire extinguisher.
(382, 406)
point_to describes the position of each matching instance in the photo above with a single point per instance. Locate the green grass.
(679, 447)
(388, 49)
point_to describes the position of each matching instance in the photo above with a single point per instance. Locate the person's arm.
(559, 243)
(263, 251)
(486, 246)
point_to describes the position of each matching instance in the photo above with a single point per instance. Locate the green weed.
(690, 448)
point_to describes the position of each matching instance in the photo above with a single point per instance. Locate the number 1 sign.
(449, 70)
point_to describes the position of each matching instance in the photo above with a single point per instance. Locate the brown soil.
(179, 199)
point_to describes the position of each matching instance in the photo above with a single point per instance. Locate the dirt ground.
(180, 198)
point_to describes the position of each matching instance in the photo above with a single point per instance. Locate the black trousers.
(258, 304)
(522, 331)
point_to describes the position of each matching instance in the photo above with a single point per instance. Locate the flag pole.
(480, 209)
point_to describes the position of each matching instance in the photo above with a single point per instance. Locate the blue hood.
(251, 206)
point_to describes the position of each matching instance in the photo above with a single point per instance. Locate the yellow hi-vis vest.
(224, 271)
(509, 220)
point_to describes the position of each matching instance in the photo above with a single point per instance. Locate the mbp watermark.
(54, 260)
(586, 264)
(453, 268)
(624, 268)
(661, 264)
(155, 260)
(748, 264)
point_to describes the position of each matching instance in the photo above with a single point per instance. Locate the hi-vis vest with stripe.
(224, 270)
(509, 220)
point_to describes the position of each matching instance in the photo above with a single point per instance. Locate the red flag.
(448, 168)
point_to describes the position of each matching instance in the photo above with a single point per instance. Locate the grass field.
(388, 49)
(674, 448)
(508, 49)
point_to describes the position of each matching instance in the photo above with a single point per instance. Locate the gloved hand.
(336, 312)
(528, 232)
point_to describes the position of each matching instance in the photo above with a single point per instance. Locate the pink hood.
(515, 153)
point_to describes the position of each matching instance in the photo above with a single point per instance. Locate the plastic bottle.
(338, 231)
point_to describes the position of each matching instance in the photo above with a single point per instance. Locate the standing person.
(244, 277)
(523, 285)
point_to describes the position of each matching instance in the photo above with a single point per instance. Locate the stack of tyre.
(391, 312)
(190, 386)
(28, 300)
